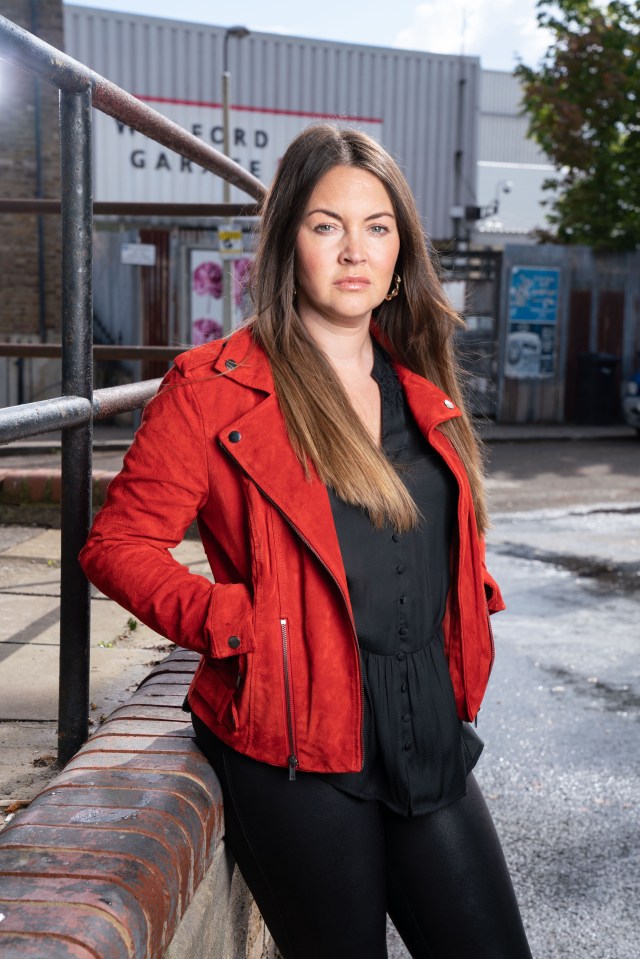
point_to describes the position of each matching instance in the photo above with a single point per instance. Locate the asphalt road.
(562, 757)
(525, 476)
(561, 766)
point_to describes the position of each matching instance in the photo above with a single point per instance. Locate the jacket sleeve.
(148, 508)
(495, 602)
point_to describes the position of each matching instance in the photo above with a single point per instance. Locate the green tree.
(583, 102)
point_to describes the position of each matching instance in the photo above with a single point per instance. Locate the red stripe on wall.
(245, 109)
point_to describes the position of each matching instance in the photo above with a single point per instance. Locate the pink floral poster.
(206, 286)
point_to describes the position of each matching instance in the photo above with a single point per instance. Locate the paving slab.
(28, 577)
(32, 618)
(28, 690)
(26, 619)
(43, 545)
(30, 678)
(13, 535)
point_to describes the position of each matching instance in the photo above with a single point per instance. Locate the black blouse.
(417, 753)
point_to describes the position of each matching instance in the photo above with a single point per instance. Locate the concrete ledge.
(122, 854)
(26, 486)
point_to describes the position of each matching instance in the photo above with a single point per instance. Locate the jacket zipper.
(292, 759)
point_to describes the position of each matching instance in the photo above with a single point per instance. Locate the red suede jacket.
(279, 677)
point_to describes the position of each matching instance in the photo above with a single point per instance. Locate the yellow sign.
(230, 241)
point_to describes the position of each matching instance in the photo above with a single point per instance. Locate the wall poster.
(206, 291)
(533, 320)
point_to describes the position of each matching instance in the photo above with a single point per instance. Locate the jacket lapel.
(264, 453)
(261, 448)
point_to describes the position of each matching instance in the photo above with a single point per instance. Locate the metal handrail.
(62, 412)
(74, 412)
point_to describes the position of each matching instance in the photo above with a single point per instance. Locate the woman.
(325, 453)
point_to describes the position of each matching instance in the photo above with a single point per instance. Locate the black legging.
(325, 867)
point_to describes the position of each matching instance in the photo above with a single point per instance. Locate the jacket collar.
(429, 405)
(241, 359)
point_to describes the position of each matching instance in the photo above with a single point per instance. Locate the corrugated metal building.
(423, 107)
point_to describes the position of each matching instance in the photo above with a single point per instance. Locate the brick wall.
(19, 289)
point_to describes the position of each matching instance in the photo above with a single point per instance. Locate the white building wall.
(506, 157)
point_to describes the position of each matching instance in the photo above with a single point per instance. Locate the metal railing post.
(77, 380)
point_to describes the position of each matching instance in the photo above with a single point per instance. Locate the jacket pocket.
(226, 688)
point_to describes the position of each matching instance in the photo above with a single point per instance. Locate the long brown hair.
(418, 324)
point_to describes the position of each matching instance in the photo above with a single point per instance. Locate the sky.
(498, 31)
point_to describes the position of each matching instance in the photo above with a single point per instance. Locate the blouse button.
(407, 746)
(406, 717)
(400, 657)
(230, 364)
(395, 537)
(235, 436)
(400, 569)
(234, 642)
(403, 688)
(403, 631)
(403, 598)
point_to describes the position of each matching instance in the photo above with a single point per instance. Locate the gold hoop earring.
(396, 289)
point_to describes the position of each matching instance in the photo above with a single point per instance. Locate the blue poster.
(534, 295)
